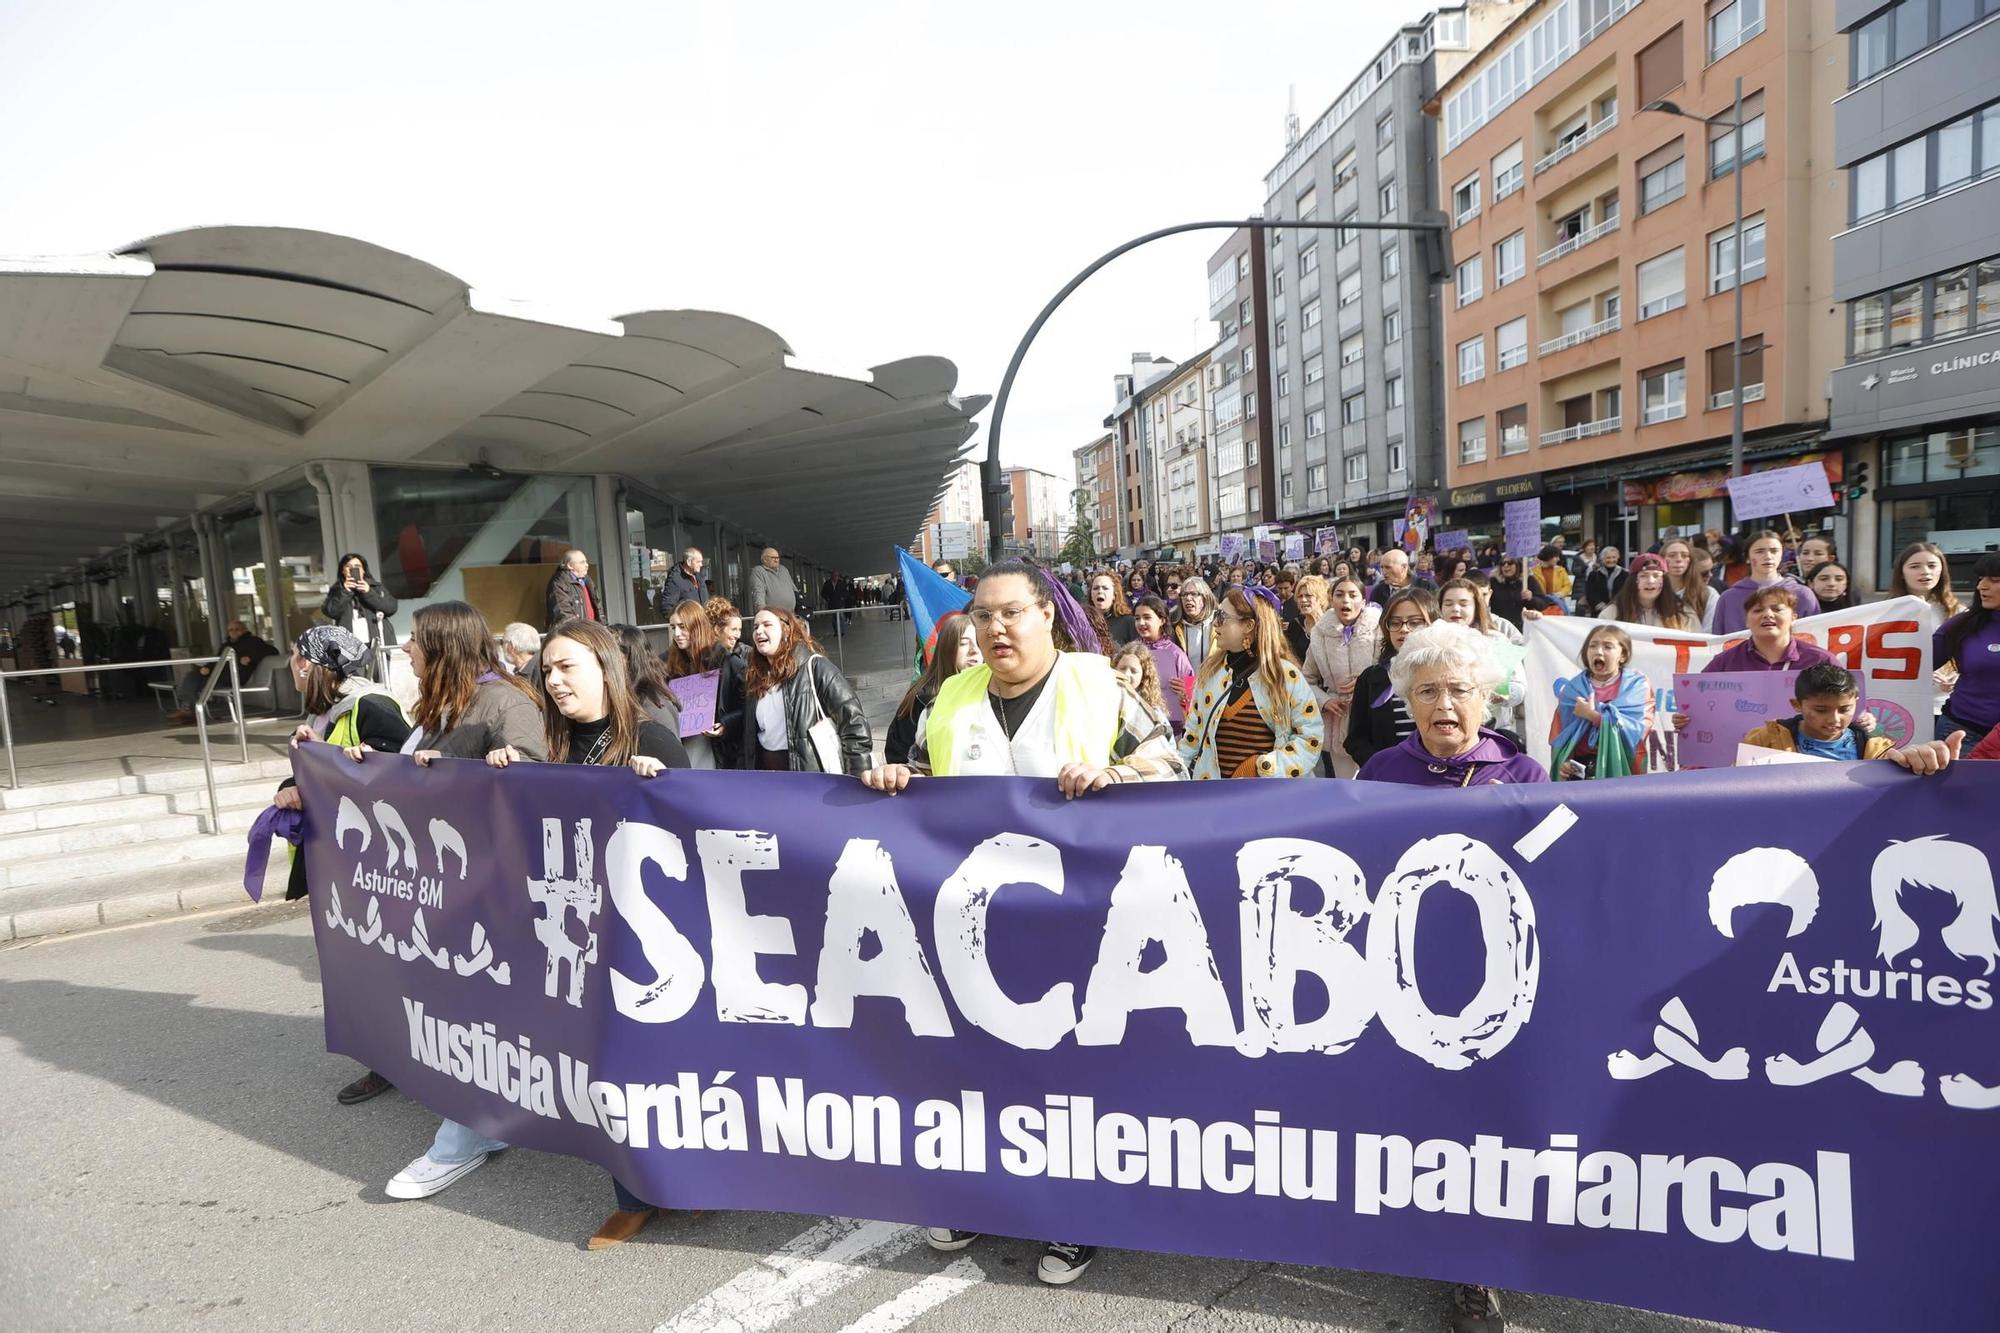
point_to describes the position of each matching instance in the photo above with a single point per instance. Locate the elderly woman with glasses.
(1445, 675)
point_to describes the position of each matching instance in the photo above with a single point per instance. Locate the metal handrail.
(227, 658)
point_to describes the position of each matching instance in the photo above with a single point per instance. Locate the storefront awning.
(138, 387)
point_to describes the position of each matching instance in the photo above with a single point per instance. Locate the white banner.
(1885, 641)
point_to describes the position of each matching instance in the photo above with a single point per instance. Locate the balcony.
(1752, 393)
(1580, 336)
(1605, 426)
(1578, 241)
(1577, 142)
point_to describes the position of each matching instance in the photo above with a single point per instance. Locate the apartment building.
(1131, 425)
(1354, 382)
(1037, 515)
(1241, 483)
(1180, 409)
(957, 519)
(1589, 327)
(1097, 477)
(1917, 266)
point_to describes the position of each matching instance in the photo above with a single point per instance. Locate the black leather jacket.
(836, 698)
(377, 601)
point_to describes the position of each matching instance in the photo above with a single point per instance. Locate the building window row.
(1908, 29)
(1944, 455)
(1722, 266)
(1732, 23)
(1662, 176)
(1723, 156)
(1943, 305)
(1947, 157)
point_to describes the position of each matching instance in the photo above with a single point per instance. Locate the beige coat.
(1335, 660)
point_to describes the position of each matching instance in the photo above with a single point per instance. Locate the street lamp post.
(1735, 123)
(994, 486)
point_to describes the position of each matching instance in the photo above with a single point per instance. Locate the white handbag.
(825, 740)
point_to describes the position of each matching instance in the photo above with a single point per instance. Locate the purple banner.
(1703, 1074)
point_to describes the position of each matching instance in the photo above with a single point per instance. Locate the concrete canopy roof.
(138, 387)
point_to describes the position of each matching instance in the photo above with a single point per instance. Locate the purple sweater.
(1976, 697)
(1744, 657)
(1729, 617)
(1495, 759)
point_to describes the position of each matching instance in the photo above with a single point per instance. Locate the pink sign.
(1723, 707)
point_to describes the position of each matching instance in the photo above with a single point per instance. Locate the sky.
(871, 179)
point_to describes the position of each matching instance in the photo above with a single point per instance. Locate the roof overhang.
(139, 387)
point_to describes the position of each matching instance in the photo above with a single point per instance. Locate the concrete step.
(21, 850)
(174, 779)
(68, 793)
(191, 779)
(79, 867)
(115, 809)
(235, 796)
(52, 909)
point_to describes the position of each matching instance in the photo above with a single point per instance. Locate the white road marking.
(801, 1273)
(893, 1316)
(1543, 836)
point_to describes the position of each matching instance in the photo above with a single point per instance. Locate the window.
(1510, 260)
(1354, 409)
(1906, 315)
(1912, 20)
(1659, 67)
(1989, 140)
(1470, 279)
(1278, 337)
(1309, 317)
(1309, 260)
(1285, 485)
(1392, 262)
(1868, 53)
(1663, 284)
(1472, 360)
(1229, 457)
(1385, 131)
(1350, 290)
(1397, 463)
(1662, 176)
(1909, 173)
(1986, 304)
(1344, 169)
(1513, 423)
(1392, 326)
(1722, 155)
(1243, 268)
(1308, 203)
(1315, 369)
(1350, 349)
(1243, 312)
(1278, 283)
(1250, 451)
(1510, 343)
(1387, 197)
(1465, 201)
(1356, 469)
(1721, 371)
(1393, 390)
(1249, 404)
(1315, 425)
(1869, 179)
(1731, 24)
(1284, 434)
(1506, 172)
(1955, 14)
(1472, 440)
(1663, 393)
(1869, 320)
(1284, 383)
(1249, 359)
(1954, 153)
(1722, 255)
(1316, 477)
(1344, 237)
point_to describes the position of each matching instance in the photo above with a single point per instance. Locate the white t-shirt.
(771, 730)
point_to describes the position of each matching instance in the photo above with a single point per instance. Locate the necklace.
(1008, 724)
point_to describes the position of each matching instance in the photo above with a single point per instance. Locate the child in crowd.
(1132, 663)
(1603, 713)
(1825, 726)
(1149, 617)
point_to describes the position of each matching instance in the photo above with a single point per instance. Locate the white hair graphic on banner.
(372, 931)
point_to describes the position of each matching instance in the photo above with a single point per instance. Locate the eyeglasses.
(983, 616)
(1230, 618)
(1400, 623)
(1429, 695)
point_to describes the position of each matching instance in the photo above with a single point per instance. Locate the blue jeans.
(457, 1143)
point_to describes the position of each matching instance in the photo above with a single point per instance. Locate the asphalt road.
(171, 1156)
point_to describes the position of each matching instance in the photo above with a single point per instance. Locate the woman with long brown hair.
(1697, 594)
(591, 715)
(957, 649)
(698, 648)
(1110, 614)
(648, 675)
(1923, 572)
(790, 687)
(1254, 716)
(467, 702)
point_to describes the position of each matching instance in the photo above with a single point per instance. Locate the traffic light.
(1857, 480)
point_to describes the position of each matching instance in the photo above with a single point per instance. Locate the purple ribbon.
(273, 823)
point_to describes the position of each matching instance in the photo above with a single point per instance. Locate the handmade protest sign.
(1232, 546)
(1780, 490)
(1295, 546)
(1523, 522)
(1723, 707)
(1203, 1017)
(1326, 541)
(1453, 539)
(1885, 644)
(696, 694)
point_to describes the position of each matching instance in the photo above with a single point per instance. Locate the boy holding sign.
(1824, 727)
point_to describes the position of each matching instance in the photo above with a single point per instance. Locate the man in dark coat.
(685, 583)
(570, 595)
(249, 650)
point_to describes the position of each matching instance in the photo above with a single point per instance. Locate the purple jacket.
(1729, 618)
(1744, 657)
(1495, 759)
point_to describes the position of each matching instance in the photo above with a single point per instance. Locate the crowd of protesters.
(1370, 666)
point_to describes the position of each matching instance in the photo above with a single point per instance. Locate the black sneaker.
(1476, 1310)
(370, 1084)
(1063, 1264)
(944, 1238)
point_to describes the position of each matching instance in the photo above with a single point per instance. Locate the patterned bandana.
(334, 648)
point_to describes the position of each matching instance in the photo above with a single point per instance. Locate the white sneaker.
(423, 1177)
(944, 1238)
